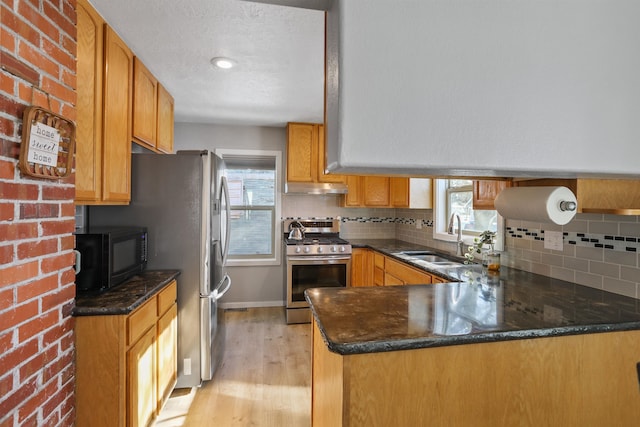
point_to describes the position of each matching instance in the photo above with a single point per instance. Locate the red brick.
(57, 263)
(50, 228)
(57, 366)
(9, 149)
(6, 212)
(11, 106)
(34, 58)
(67, 243)
(58, 193)
(69, 79)
(18, 231)
(60, 333)
(6, 385)
(58, 90)
(16, 356)
(35, 364)
(6, 254)
(63, 22)
(32, 16)
(35, 326)
(7, 127)
(18, 191)
(57, 299)
(68, 278)
(17, 273)
(39, 210)
(23, 29)
(18, 396)
(6, 343)
(36, 288)
(7, 40)
(68, 209)
(7, 168)
(31, 404)
(6, 300)
(37, 248)
(7, 84)
(17, 315)
(68, 112)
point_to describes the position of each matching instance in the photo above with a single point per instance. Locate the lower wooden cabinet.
(372, 268)
(126, 365)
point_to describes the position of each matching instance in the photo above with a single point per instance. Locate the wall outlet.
(419, 224)
(553, 240)
(186, 367)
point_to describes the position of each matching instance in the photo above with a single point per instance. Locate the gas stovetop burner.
(322, 237)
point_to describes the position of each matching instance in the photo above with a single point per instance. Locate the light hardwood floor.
(264, 379)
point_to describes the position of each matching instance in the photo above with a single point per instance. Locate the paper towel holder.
(568, 205)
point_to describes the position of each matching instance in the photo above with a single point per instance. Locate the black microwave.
(109, 256)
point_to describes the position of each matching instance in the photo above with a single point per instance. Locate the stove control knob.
(334, 249)
(307, 249)
(298, 249)
(342, 249)
(320, 249)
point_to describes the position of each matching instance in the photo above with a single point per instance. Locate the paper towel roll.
(538, 204)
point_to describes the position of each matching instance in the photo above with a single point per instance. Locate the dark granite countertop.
(480, 308)
(127, 296)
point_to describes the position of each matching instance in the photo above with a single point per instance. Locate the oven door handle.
(318, 258)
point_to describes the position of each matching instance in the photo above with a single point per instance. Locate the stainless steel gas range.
(317, 258)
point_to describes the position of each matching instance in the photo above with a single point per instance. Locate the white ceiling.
(279, 52)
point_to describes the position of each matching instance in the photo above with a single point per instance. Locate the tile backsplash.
(600, 251)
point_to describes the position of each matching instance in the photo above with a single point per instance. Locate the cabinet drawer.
(141, 320)
(167, 297)
(405, 273)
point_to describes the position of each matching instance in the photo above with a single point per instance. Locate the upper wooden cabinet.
(306, 154)
(165, 121)
(104, 92)
(608, 196)
(152, 111)
(145, 104)
(90, 69)
(485, 192)
(376, 192)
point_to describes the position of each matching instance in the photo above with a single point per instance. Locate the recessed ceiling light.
(222, 62)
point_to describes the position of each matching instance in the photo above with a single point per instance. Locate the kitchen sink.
(431, 258)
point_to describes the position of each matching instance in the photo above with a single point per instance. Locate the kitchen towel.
(538, 204)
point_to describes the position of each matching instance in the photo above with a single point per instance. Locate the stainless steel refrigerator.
(182, 199)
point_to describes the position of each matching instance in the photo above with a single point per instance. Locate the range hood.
(314, 188)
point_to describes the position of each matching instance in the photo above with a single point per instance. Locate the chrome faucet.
(459, 243)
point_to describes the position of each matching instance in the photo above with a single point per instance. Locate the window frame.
(276, 238)
(441, 221)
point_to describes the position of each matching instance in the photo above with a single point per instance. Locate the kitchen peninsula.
(511, 349)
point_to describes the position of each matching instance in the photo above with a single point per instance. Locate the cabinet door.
(145, 96)
(485, 192)
(165, 120)
(399, 192)
(88, 159)
(397, 273)
(141, 381)
(167, 354)
(322, 160)
(361, 267)
(353, 198)
(378, 269)
(376, 191)
(302, 152)
(116, 165)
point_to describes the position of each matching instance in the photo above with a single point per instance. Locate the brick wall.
(37, 66)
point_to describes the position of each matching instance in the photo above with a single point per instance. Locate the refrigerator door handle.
(227, 230)
(220, 294)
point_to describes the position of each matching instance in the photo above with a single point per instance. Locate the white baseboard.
(251, 304)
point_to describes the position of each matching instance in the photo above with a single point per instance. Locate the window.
(455, 197)
(254, 197)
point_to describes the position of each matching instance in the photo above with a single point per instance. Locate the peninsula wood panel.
(328, 384)
(575, 380)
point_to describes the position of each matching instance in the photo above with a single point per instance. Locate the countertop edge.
(151, 291)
